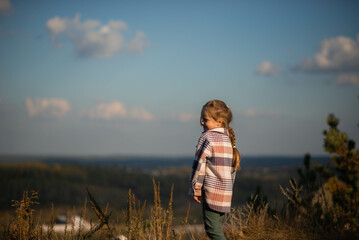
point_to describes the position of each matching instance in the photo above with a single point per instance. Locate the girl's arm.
(199, 165)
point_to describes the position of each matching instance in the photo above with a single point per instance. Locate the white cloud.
(5, 5)
(266, 68)
(141, 114)
(107, 111)
(339, 54)
(139, 43)
(347, 79)
(115, 110)
(56, 26)
(258, 113)
(90, 38)
(51, 107)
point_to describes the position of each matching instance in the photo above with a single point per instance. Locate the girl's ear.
(220, 122)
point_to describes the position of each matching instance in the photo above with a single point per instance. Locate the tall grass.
(157, 226)
(253, 222)
(23, 225)
(297, 220)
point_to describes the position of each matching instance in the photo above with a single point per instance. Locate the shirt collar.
(220, 130)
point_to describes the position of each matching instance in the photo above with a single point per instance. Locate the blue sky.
(130, 77)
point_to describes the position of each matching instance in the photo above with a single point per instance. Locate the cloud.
(139, 43)
(266, 68)
(108, 111)
(5, 6)
(338, 54)
(258, 113)
(116, 110)
(141, 114)
(56, 26)
(347, 79)
(52, 107)
(90, 38)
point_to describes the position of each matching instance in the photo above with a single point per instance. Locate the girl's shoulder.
(205, 139)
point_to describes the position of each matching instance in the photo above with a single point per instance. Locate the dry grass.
(23, 225)
(251, 222)
(158, 225)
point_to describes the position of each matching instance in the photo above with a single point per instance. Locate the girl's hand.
(197, 199)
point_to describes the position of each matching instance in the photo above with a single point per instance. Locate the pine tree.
(343, 180)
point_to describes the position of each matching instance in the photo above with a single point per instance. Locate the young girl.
(213, 170)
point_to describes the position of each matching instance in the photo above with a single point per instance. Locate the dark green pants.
(213, 221)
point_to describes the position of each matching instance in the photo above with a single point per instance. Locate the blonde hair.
(219, 111)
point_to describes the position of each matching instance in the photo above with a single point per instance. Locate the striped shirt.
(212, 171)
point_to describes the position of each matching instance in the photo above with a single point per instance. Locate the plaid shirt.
(212, 171)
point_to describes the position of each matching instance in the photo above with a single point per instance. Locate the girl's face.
(209, 123)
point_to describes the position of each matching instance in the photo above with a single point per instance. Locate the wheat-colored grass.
(250, 222)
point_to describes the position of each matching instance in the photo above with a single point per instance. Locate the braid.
(236, 156)
(232, 136)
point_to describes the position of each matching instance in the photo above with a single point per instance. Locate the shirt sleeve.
(203, 151)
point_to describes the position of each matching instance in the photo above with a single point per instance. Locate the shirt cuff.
(197, 192)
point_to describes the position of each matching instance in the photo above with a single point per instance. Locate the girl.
(213, 170)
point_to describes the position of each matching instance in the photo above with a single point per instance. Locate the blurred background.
(93, 83)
